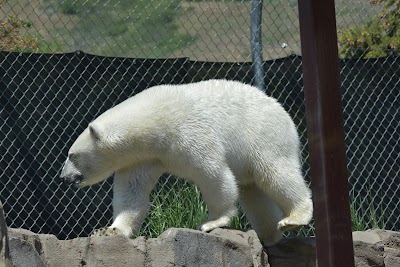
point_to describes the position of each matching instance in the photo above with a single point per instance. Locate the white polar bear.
(230, 139)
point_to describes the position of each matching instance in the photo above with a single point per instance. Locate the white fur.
(230, 139)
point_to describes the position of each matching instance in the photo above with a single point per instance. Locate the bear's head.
(90, 158)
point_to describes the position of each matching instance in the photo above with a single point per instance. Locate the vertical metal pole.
(256, 43)
(325, 133)
(5, 258)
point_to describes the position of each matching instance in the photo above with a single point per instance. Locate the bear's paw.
(289, 224)
(107, 231)
(218, 223)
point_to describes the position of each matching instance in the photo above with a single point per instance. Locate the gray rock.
(293, 251)
(85, 251)
(249, 238)
(391, 243)
(366, 254)
(5, 258)
(185, 247)
(24, 254)
(377, 248)
(175, 247)
(369, 237)
(116, 251)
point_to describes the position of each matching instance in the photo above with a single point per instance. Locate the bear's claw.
(289, 225)
(211, 225)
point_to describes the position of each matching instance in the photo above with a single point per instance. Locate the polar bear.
(233, 141)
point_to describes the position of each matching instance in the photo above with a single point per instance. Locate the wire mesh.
(47, 99)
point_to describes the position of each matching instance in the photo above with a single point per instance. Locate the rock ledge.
(185, 247)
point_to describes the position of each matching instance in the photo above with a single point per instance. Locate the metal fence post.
(256, 43)
(5, 258)
(325, 133)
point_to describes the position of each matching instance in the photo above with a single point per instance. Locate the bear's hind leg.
(284, 184)
(262, 213)
(220, 193)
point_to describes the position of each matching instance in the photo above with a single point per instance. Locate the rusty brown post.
(325, 133)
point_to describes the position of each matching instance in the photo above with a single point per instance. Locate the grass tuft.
(178, 203)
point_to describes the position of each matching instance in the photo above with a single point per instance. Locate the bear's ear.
(95, 131)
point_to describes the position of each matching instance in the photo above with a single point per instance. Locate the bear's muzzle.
(70, 174)
(74, 179)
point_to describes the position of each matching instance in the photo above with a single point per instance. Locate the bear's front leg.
(131, 199)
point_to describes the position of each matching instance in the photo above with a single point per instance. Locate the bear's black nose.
(75, 179)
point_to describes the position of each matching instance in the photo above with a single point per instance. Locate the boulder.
(377, 248)
(293, 251)
(221, 247)
(175, 247)
(24, 254)
(186, 247)
(84, 251)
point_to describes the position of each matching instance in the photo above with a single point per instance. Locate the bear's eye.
(71, 156)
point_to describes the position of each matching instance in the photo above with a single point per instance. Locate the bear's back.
(233, 111)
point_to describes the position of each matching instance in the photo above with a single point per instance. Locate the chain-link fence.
(46, 100)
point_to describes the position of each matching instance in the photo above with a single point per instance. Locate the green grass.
(202, 30)
(125, 28)
(366, 218)
(178, 203)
